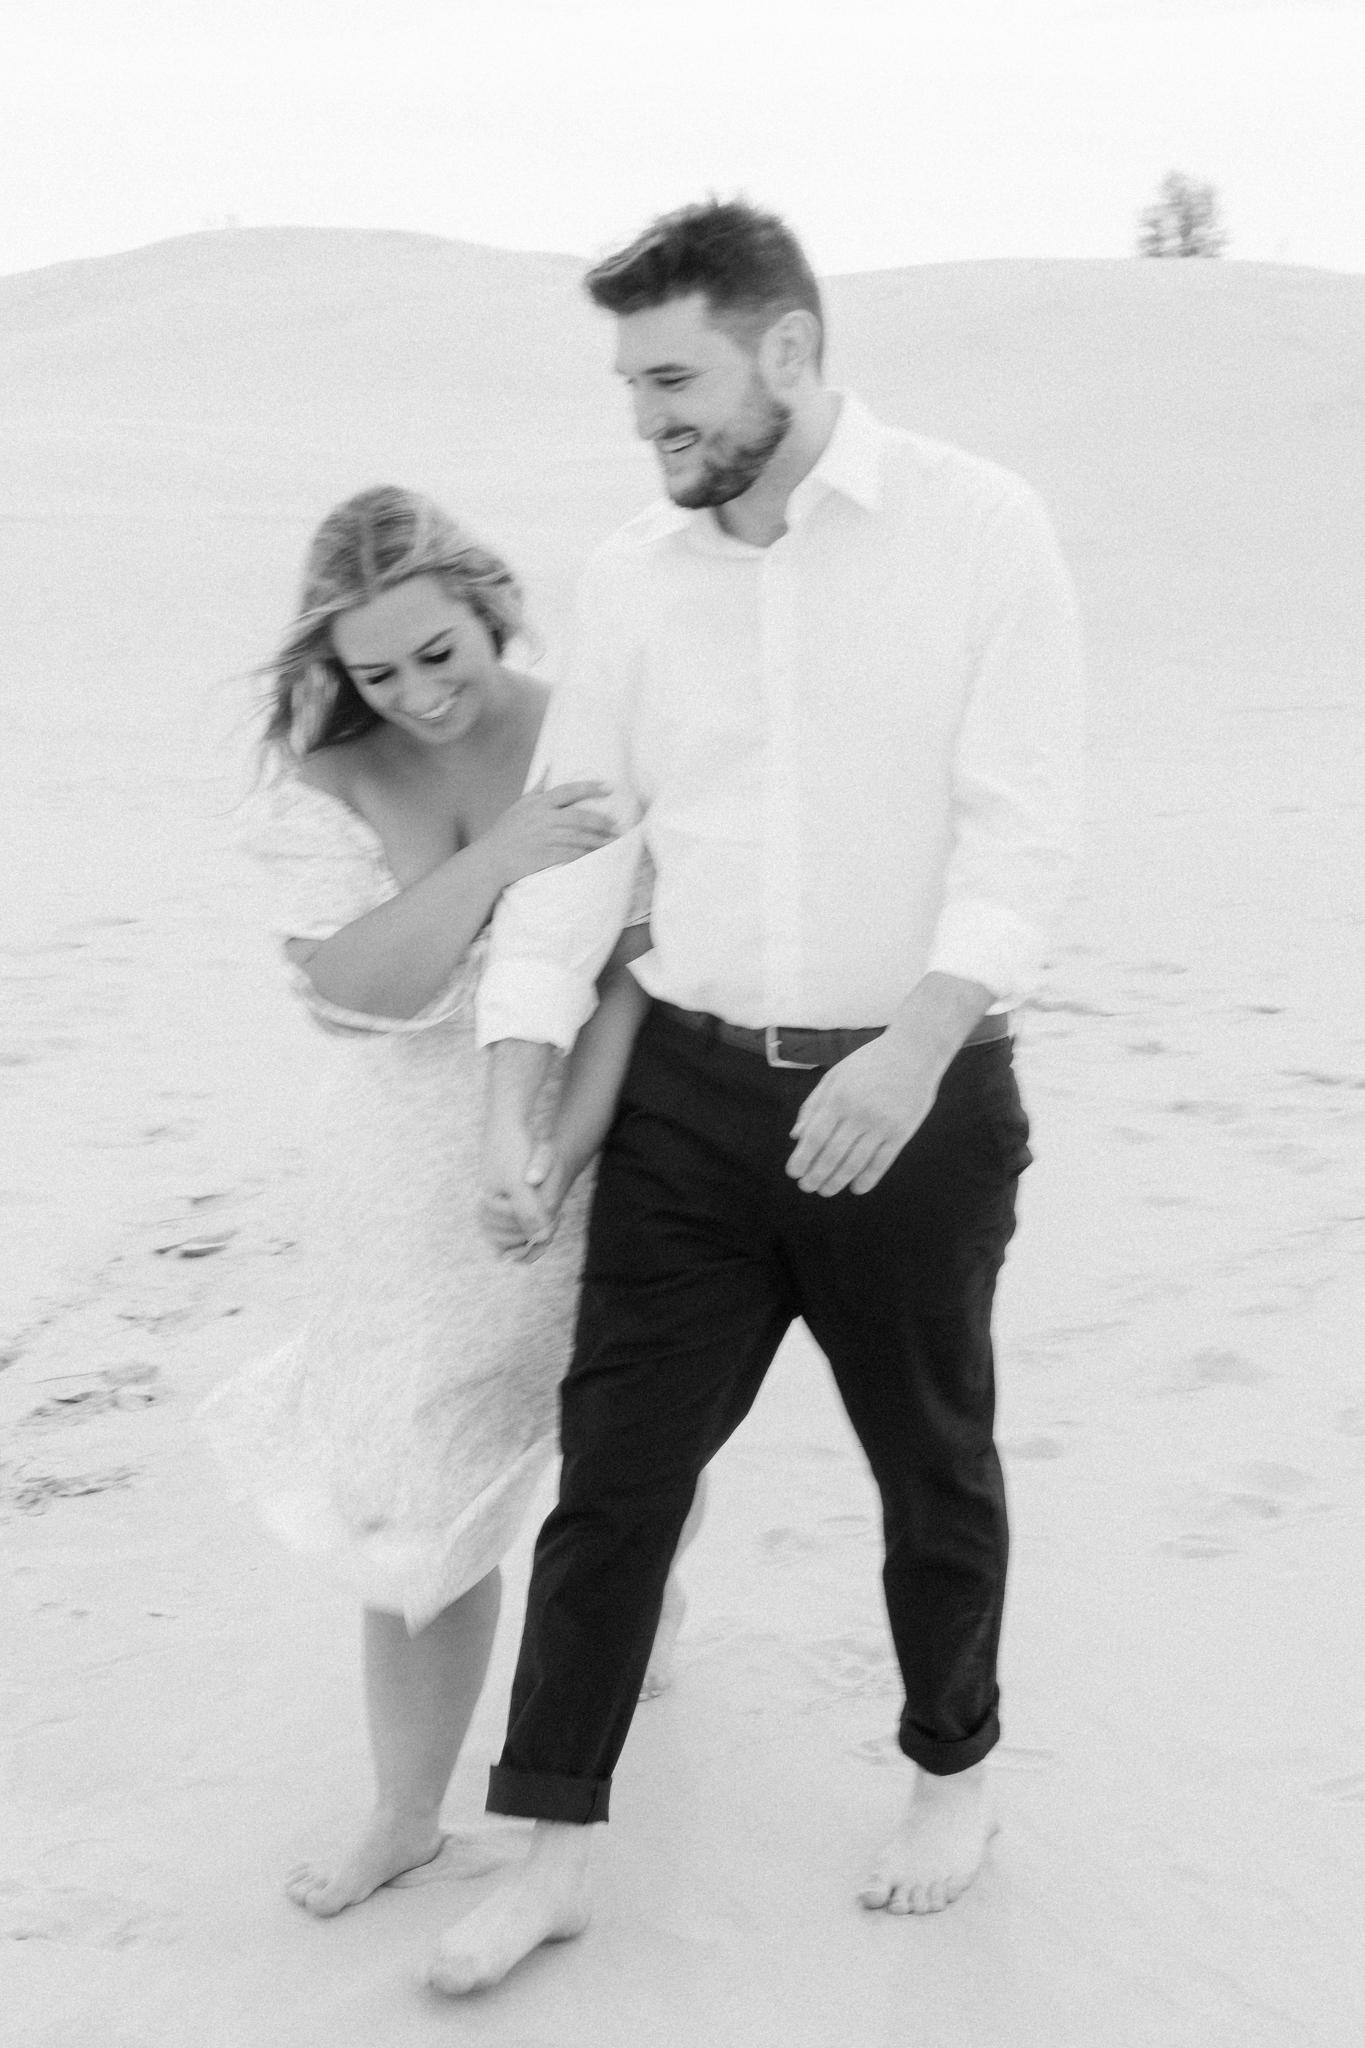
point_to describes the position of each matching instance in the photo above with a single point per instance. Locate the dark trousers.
(701, 1252)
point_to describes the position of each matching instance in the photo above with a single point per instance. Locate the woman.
(401, 1433)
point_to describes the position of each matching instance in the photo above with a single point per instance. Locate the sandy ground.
(1182, 1780)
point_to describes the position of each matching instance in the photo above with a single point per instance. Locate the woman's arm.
(392, 961)
(396, 958)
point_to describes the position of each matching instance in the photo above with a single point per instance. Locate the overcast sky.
(888, 131)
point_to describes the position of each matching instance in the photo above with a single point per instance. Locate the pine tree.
(1183, 221)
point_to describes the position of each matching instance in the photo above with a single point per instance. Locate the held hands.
(862, 1114)
(546, 828)
(519, 1211)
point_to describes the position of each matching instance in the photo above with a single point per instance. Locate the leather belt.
(786, 1045)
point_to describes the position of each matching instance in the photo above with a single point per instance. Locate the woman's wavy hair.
(376, 540)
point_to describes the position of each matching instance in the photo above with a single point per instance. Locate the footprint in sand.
(1068, 1006)
(1294, 1158)
(34, 1492)
(1344, 1791)
(878, 1749)
(1207, 1109)
(1263, 1496)
(1285, 1479)
(31, 1912)
(119, 1386)
(1197, 1546)
(1042, 1447)
(1215, 1369)
(42, 952)
(854, 1666)
(196, 1247)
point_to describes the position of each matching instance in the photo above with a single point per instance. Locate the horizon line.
(228, 230)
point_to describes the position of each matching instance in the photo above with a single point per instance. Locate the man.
(842, 674)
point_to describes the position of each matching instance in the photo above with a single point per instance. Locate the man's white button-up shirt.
(854, 754)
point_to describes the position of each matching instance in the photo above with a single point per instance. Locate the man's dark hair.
(749, 265)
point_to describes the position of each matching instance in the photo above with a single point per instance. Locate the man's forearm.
(517, 1068)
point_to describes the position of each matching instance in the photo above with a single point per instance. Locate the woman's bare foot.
(391, 1844)
(937, 1849)
(660, 1672)
(547, 1900)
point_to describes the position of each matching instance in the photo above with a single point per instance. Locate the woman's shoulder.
(338, 771)
(306, 810)
(533, 698)
(325, 866)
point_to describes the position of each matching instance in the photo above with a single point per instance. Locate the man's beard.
(735, 458)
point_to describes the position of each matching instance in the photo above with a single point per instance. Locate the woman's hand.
(512, 1231)
(546, 828)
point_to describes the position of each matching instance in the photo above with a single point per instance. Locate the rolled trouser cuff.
(544, 1795)
(944, 1759)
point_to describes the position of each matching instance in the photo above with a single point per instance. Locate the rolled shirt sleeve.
(553, 931)
(549, 944)
(1017, 770)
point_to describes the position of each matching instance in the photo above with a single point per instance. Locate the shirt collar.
(851, 463)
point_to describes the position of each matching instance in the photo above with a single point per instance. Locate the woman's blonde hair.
(376, 540)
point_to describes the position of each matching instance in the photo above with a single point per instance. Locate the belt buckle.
(771, 1034)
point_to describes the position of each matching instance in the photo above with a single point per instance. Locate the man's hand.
(513, 1213)
(862, 1114)
(510, 1209)
(505, 1222)
(869, 1106)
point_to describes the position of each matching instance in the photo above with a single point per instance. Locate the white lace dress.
(400, 1434)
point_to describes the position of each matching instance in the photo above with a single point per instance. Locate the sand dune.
(1183, 1771)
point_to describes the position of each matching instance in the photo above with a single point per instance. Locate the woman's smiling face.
(425, 661)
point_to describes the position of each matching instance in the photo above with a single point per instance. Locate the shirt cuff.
(530, 1000)
(984, 942)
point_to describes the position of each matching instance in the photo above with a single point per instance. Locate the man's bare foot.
(547, 1900)
(937, 1849)
(660, 1673)
(390, 1845)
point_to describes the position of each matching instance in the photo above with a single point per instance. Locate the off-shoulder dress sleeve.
(328, 867)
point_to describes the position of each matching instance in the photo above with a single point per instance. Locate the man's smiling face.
(701, 398)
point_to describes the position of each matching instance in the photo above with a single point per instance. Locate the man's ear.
(791, 346)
